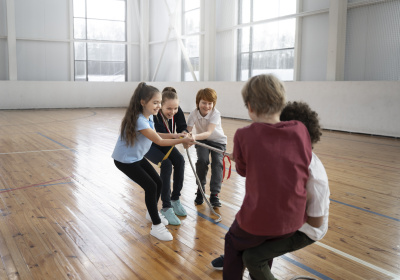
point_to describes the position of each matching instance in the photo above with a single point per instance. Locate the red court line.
(39, 184)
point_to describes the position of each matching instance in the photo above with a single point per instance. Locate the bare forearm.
(315, 221)
(168, 142)
(167, 135)
(203, 135)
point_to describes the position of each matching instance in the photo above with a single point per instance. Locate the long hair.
(142, 92)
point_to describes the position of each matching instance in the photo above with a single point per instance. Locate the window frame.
(250, 51)
(87, 41)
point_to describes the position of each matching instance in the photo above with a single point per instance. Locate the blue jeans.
(176, 160)
(203, 160)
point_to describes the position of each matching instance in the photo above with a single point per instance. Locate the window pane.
(287, 33)
(280, 63)
(105, 30)
(274, 35)
(80, 70)
(195, 61)
(245, 39)
(106, 71)
(80, 51)
(191, 4)
(245, 11)
(244, 67)
(287, 7)
(192, 22)
(106, 52)
(106, 9)
(265, 9)
(79, 8)
(79, 28)
(192, 45)
(265, 36)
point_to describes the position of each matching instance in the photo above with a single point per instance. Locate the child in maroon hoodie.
(274, 157)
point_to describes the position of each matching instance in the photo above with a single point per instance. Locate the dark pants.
(256, 259)
(203, 160)
(236, 241)
(176, 160)
(143, 173)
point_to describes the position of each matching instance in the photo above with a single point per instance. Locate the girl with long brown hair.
(135, 139)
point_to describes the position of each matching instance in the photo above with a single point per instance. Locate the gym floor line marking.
(302, 266)
(38, 151)
(366, 210)
(37, 185)
(56, 142)
(308, 269)
(374, 267)
(332, 200)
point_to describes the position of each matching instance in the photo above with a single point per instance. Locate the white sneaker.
(162, 218)
(161, 232)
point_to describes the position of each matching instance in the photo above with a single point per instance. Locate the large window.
(191, 30)
(100, 40)
(266, 47)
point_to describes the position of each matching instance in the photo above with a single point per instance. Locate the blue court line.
(359, 208)
(302, 266)
(306, 268)
(366, 210)
(56, 142)
(41, 185)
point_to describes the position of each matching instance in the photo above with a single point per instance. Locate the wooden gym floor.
(68, 213)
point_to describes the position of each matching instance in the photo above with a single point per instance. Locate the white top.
(317, 199)
(201, 123)
(130, 154)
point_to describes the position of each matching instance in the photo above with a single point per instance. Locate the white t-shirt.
(317, 199)
(201, 123)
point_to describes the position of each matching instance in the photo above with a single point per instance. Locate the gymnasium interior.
(68, 69)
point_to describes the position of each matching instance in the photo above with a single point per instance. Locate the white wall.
(362, 107)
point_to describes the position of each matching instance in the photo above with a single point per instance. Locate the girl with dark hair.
(135, 139)
(170, 119)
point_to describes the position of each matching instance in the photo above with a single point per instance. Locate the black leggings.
(143, 173)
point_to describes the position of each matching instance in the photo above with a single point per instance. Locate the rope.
(201, 189)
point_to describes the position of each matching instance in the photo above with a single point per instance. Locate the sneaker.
(162, 218)
(218, 263)
(178, 208)
(171, 217)
(214, 200)
(199, 198)
(161, 232)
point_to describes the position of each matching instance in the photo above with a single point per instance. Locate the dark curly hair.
(300, 111)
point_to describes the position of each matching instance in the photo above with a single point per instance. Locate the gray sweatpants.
(203, 160)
